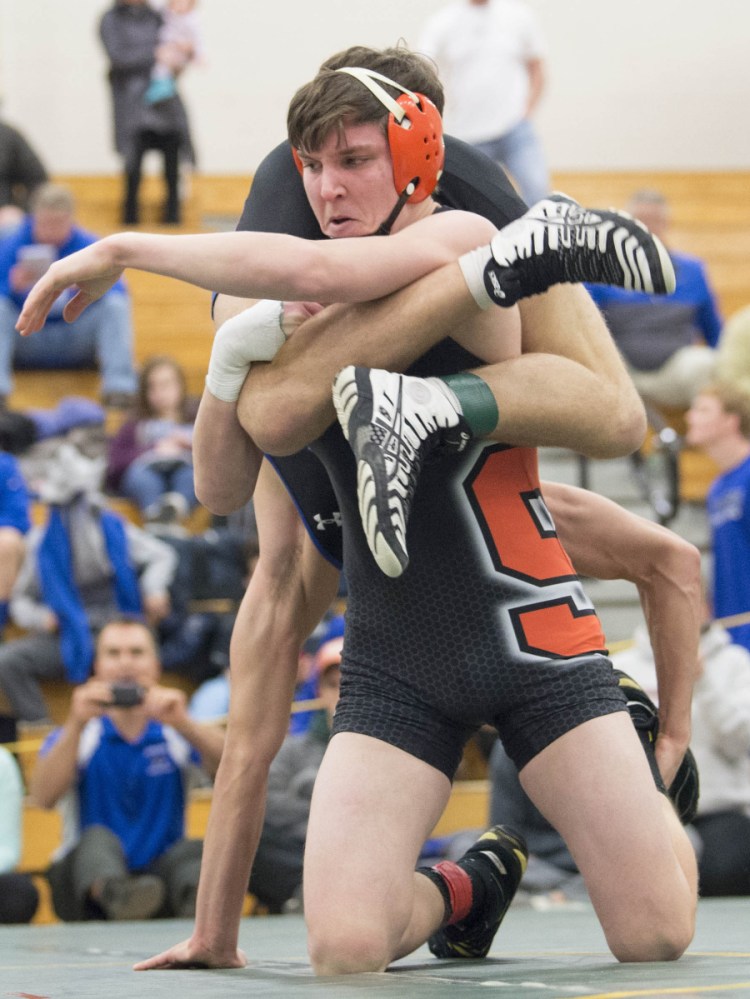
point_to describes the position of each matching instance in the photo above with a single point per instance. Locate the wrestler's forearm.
(231, 841)
(275, 266)
(673, 607)
(606, 541)
(225, 459)
(264, 653)
(288, 593)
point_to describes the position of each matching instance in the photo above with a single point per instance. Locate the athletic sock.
(475, 401)
(460, 888)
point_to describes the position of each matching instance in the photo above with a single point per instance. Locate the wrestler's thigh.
(373, 807)
(595, 786)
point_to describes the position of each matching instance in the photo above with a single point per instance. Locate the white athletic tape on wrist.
(253, 335)
(472, 266)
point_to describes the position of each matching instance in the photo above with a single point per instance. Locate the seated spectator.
(213, 571)
(733, 357)
(276, 876)
(14, 523)
(21, 173)
(19, 897)
(721, 744)
(80, 567)
(151, 456)
(308, 669)
(211, 700)
(667, 341)
(102, 337)
(120, 764)
(718, 422)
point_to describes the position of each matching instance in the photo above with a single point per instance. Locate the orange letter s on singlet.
(506, 499)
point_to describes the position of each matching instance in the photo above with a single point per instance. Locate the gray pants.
(101, 337)
(99, 855)
(23, 663)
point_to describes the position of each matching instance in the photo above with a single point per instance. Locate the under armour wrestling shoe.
(478, 890)
(685, 788)
(393, 422)
(558, 242)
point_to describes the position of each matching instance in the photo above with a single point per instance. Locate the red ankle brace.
(460, 889)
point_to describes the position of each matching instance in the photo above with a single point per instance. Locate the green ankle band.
(477, 402)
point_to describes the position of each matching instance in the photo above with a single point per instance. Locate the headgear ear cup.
(417, 147)
(415, 135)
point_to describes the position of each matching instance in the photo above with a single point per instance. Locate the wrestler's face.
(349, 181)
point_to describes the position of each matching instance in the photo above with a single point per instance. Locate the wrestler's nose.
(331, 183)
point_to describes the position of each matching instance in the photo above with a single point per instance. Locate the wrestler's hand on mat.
(191, 955)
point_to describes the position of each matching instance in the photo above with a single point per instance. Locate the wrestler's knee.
(625, 428)
(342, 949)
(658, 928)
(276, 411)
(653, 940)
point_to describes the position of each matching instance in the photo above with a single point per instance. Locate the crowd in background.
(165, 579)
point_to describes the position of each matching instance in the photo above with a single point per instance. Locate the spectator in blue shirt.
(667, 341)
(718, 422)
(14, 523)
(102, 337)
(118, 766)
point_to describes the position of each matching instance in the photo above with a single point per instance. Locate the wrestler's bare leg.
(625, 837)
(569, 374)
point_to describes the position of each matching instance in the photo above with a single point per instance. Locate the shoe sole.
(352, 392)
(635, 262)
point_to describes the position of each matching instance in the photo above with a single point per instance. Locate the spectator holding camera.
(118, 768)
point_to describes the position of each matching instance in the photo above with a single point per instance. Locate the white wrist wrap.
(252, 335)
(472, 265)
